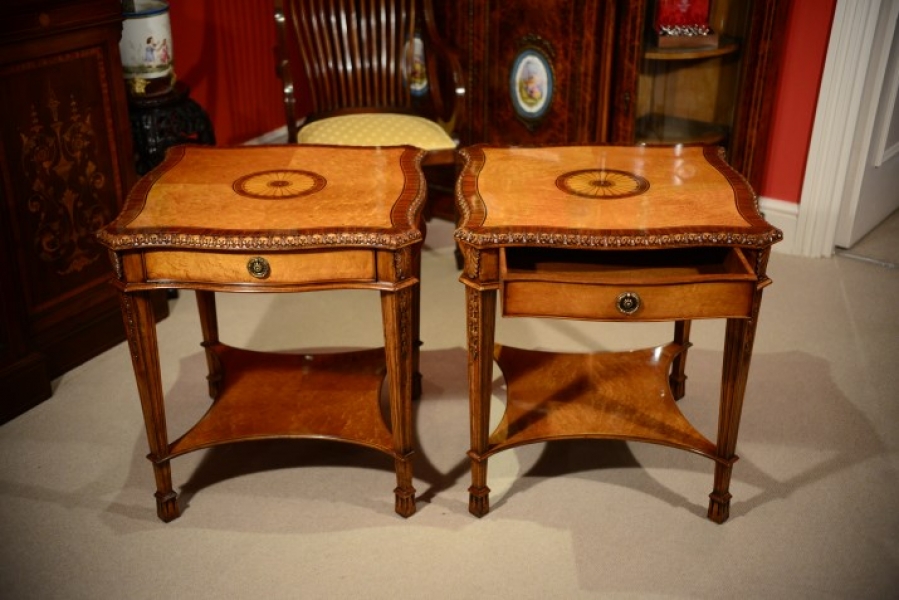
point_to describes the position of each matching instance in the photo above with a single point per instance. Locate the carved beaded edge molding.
(619, 241)
(473, 159)
(388, 241)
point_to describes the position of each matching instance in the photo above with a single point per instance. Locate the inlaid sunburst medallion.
(280, 184)
(602, 184)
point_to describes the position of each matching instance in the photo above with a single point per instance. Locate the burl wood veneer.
(607, 233)
(277, 219)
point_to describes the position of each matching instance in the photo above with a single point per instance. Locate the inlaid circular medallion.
(280, 184)
(603, 184)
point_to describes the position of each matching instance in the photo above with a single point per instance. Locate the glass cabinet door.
(690, 69)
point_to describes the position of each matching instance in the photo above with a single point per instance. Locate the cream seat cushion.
(377, 129)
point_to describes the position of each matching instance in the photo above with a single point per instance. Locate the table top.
(283, 197)
(606, 196)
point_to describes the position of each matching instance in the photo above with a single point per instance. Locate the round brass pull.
(628, 302)
(259, 267)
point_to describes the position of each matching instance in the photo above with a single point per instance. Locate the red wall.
(224, 49)
(805, 50)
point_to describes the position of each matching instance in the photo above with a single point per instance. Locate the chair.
(377, 72)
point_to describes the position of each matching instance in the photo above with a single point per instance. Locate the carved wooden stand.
(160, 122)
(607, 234)
(277, 219)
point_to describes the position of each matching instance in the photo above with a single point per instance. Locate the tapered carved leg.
(140, 325)
(478, 493)
(737, 353)
(404, 492)
(210, 328)
(397, 311)
(166, 501)
(416, 323)
(678, 377)
(719, 499)
(481, 310)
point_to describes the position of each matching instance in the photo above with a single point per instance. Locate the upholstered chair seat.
(377, 129)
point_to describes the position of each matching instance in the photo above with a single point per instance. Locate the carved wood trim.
(254, 240)
(473, 297)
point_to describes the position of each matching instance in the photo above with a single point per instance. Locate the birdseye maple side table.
(277, 219)
(607, 233)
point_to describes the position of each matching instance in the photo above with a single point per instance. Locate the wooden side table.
(277, 219)
(606, 233)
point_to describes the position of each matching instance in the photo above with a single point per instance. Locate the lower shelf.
(265, 396)
(657, 128)
(611, 395)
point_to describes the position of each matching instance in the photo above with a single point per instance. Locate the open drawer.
(620, 285)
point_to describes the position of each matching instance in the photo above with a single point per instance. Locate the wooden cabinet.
(597, 75)
(564, 50)
(66, 163)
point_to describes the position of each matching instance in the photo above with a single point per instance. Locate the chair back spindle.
(365, 56)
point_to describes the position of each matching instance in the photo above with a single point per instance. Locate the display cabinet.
(554, 71)
(709, 89)
(687, 86)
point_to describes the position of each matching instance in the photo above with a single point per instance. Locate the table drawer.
(261, 269)
(642, 285)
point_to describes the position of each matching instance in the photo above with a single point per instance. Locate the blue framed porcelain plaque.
(531, 85)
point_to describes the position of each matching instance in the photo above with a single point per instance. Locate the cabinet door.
(539, 71)
(713, 87)
(65, 166)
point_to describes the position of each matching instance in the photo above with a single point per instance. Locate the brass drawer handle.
(259, 267)
(628, 303)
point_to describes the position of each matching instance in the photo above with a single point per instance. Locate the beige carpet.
(814, 513)
(881, 246)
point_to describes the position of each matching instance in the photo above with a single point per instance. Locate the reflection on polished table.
(606, 233)
(277, 219)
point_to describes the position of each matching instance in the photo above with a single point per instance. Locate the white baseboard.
(785, 216)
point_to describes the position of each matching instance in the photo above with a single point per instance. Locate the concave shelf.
(268, 395)
(609, 395)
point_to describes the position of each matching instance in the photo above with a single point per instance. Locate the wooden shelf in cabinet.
(723, 49)
(658, 128)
